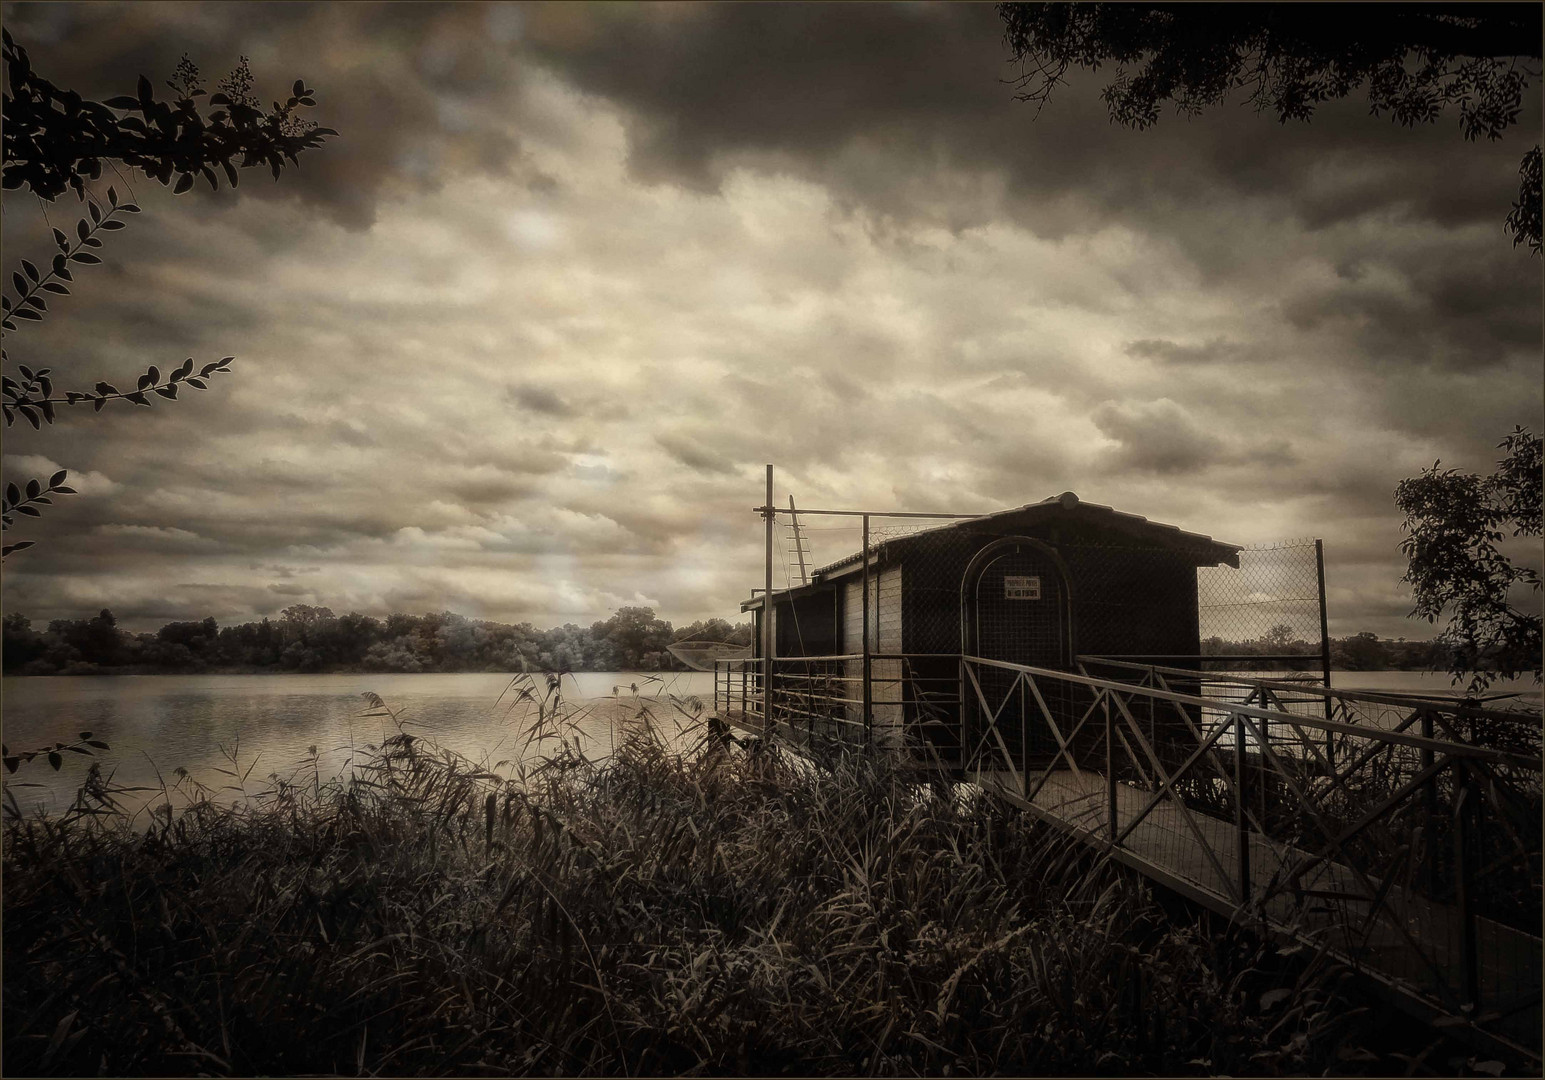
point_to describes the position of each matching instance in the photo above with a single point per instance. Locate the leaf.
(30, 511)
(96, 406)
(167, 391)
(32, 418)
(85, 257)
(12, 762)
(64, 490)
(48, 410)
(55, 760)
(106, 388)
(112, 196)
(147, 379)
(146, 92)
(129, 208)
(98, 743)
(184, 182)
(12, 494)
(20, 283)
(81, 229)
(62, 240)
(37, 302)
(120, 102)
(53, 482)
(96, 214)
(230, 172)
(153, 373)
(198, 384)
(113, 226)
(34, 489)
(32, 271)
(136, 397)
(55, 287)
(299, 88)
(27, 313)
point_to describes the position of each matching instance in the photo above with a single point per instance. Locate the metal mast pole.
(868, 692)
(767, 609)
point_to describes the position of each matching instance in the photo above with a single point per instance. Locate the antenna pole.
(767, 611)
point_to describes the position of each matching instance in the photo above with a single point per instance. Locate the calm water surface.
(156, 723)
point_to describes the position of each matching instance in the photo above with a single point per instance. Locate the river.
(157, 723)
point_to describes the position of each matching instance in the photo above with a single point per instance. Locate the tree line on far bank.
(312, 639)
(1363, 651)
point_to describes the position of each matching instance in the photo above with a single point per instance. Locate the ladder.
(800, 547)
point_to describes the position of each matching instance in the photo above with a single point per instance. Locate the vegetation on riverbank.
(716, 911)
(311, 639)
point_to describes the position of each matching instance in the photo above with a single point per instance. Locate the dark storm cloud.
(541, 399)
(833, 86)
(397, 80)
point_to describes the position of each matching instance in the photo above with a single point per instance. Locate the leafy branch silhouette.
(56, 141)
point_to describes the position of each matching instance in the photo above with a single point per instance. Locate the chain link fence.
(1269, 606)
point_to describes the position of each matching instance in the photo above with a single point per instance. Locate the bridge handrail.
(1400, 700)
(1453, 749)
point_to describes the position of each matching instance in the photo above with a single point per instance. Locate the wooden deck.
(1407, 942)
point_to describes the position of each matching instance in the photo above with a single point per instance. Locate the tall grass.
(709, 910)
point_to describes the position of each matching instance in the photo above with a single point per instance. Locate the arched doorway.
(1016, 607)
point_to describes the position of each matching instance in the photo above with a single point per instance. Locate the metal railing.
(1401, 834)
(913, 697)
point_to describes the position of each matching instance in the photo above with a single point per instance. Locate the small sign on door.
(1021, 588)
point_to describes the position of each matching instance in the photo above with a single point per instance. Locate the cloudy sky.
(519, 342)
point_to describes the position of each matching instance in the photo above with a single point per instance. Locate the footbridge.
(1400, 835)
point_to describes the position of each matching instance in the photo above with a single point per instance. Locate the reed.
(670, 910)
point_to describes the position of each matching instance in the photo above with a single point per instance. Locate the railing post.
(1466, 805)
(767, 614)
(1240, 827)
(965, 733)
(1431, 792)
(1319, 565)
(1110, 763)
(1024, 735)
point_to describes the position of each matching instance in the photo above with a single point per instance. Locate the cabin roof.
(1066, 506)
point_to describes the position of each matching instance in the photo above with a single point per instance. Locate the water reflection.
(267, 723)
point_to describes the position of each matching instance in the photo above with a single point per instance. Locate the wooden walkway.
(1407, 942)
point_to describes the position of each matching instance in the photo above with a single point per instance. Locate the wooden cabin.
(1039, 585)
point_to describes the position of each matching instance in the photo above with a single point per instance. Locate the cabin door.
(1016, 609)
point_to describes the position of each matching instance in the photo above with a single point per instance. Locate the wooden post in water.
(867, 644)
(767, 613)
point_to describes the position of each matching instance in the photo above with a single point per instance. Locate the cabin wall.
(886, 624)
(807, 625)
